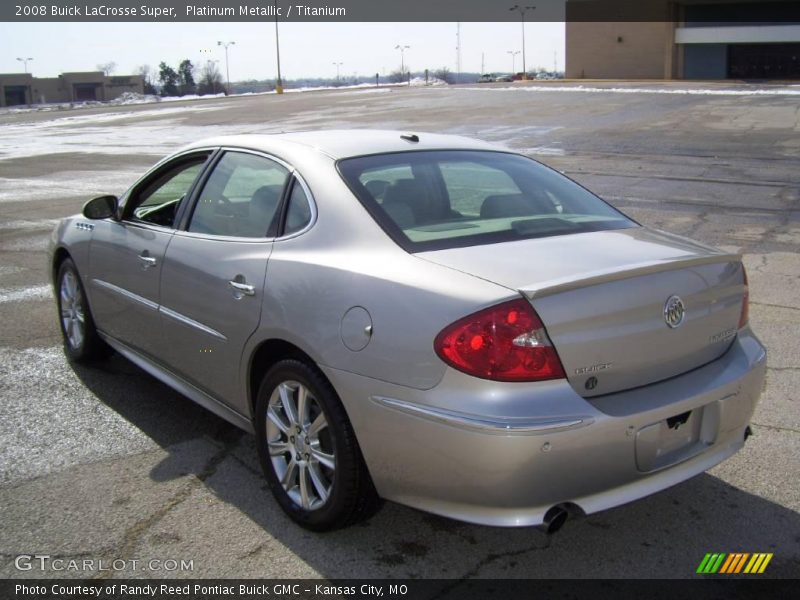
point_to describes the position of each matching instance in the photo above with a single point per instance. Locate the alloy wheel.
(73, 318)
(300, 445)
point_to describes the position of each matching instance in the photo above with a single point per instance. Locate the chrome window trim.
(143, 225)
(312, 207)
(123, 199)
(222, 238)
(161, 163)
(292, 173)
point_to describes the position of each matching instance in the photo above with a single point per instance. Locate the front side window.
(432, 200)
(241, 197)
(158, 200)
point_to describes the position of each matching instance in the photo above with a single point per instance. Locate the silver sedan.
(422, 318)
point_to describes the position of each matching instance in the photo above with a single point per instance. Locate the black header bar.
(781, 11)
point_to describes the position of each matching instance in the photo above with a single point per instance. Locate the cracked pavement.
(107, 463)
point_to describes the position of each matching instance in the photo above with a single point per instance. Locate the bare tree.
(107, 68)
(210, 79)
(148, 77)
(444, 74)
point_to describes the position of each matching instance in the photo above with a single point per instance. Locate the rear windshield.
(431, 200)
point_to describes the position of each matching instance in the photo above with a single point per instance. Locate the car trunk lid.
(603, 299)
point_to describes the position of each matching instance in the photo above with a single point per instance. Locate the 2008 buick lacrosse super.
(422, 318)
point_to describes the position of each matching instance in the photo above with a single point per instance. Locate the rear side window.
(298, 213)
(241, 197)
(443, 199)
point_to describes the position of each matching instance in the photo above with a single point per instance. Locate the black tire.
(352, 496)
(88, 346)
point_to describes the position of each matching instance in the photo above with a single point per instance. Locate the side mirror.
(101, 207)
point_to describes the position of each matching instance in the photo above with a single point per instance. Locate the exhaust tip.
(554, 519)
(747, 432)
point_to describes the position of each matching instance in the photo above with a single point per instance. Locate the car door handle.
(147, 261)
(243, 288)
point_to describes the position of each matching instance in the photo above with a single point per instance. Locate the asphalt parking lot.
(107, 463)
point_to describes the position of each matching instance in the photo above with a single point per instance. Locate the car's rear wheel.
(81, 341)
(308, 449)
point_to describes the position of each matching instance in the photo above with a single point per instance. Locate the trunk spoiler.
(580, 280)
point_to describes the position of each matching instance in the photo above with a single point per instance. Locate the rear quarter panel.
(345, 260)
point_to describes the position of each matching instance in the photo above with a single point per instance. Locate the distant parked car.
(486, 78)
(504, 78)
(424, 318)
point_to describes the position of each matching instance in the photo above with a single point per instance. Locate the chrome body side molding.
(123, 292)
(191, 323)
(496, 425)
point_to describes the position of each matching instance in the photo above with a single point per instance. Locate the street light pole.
(402, 59)
(279, 83)
(24, 61)
(522, 10)
(227, 67)
(513, 54)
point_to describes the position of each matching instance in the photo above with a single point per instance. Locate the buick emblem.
(674, 310)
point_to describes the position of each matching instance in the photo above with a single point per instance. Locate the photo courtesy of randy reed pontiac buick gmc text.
(246, 590)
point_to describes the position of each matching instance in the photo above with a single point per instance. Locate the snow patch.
(39, 292)
(782, 91)
(65, 184)
(417, 81)
(28, 224)
(36, 243)
(542, 151)
(133, 98)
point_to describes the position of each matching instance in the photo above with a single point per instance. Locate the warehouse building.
(687, 39)
(24, 88)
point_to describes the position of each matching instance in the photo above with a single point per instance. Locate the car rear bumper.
(505, 453)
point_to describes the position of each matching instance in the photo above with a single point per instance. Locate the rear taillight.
(745, 316)
(506, 342)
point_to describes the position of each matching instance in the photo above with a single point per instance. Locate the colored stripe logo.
(734, 563)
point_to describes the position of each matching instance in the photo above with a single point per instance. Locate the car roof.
(344, 143)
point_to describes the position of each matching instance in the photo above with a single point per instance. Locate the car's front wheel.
(308, 449)
(81, 341)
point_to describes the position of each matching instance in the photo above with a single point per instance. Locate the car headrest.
(413, 194)
(376, 187)
(400, 213)
(509, 205)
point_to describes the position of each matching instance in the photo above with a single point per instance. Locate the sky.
(307, 49)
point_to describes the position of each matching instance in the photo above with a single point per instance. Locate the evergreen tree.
(168, 79)
(186, 76)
